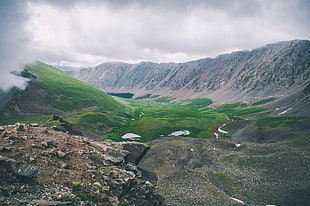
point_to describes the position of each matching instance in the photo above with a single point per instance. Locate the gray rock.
(49, 203)
(26, 170)
(136, 151)
(19, 169)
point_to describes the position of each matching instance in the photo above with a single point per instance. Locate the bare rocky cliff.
(276, 70)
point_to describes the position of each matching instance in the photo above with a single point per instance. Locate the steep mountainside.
(277, 70)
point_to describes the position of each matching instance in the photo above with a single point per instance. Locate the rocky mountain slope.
(42, 166)
(278, 70)
(203, 172)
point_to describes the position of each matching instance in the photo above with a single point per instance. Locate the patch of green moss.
(77, 186)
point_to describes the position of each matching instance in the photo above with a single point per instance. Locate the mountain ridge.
(276, 70)
(52, 93)
(234, 152)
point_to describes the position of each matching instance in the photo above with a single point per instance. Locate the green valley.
(89, 110)
(227, 149)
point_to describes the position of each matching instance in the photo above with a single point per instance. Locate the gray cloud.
(177, 29)
(86, 33)
(13, 44)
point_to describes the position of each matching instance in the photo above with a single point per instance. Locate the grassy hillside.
(66, 93)
(54, 92)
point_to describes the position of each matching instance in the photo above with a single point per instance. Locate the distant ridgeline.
(123, 95)
(279, 70)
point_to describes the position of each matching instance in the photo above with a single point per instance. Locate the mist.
(14, 48)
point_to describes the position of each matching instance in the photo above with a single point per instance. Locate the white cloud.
(76, 32)
(14, 47)
(91, 33)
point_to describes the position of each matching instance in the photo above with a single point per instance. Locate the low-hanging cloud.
(95, 31)
(14, 51)
(86, 33)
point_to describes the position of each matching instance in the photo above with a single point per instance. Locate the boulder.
(136, 151)
(10, 165)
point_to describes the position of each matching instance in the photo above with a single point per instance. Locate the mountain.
(66, 68)
(54, 92)
(278, 70)
(253, 150)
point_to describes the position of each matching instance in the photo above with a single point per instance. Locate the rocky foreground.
(42, 166)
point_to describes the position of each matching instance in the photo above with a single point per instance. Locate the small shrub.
(77, 186)
(68, 167)
(101, 189)
(69, 199)
(5, 192)
(83, 196)
(22, 162)
(124, 203)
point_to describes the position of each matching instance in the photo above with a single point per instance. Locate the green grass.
(68, 94)
(96, 122)
(26, 120)
(263, 101)
(232, 105)
(287, 121)
(82, 104)
(197, 103)
(151, 120)
(157, 122)
(165, 99)
(94, 111)
(236, 114)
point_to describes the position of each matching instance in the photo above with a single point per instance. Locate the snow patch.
(180, 132)
(222, 131)
(285, 111)
(131, 136)
(237, 200)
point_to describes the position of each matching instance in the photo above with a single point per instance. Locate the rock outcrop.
(42, 166)
(9, 165)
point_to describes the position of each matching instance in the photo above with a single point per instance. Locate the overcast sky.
(89, 32)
